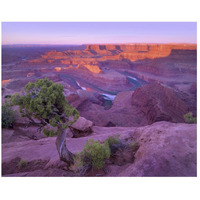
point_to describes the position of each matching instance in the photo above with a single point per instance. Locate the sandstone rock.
(159, 103)
(69, 133)
(31, 132)
(92, 96)
(93, 68)
(81, 127)
(166, 149)
(77, 102)
(6, 135)
(82, 124)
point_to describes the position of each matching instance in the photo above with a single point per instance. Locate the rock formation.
(166, 149)
(159, 103)
(146, 105)
(82, 127)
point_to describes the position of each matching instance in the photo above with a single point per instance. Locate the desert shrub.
(8, 116)
(122, 151)
(22, 164)
(189, 118)
(112, 140)
(95, 154)
(7, 96)
(115, 143)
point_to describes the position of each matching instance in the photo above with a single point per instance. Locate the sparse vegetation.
(122, 151)
(22, 164)
(94, 154)
(189, 118)
(112, 140)
(8, 116)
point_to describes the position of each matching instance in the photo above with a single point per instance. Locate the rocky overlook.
(139, 91)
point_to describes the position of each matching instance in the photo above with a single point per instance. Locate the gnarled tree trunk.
(64, 153)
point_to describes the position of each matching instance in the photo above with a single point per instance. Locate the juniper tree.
(43, 103)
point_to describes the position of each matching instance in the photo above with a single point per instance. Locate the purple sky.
(98, 32)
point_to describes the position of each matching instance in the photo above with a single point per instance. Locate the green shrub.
(95, 154)
(112, 140)
(22, 164)
(189, 118)
(115, 143)
(8, 116)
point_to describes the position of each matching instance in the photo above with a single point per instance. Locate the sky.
(98, 32)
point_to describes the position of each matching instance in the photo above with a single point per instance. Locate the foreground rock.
(166, 149)
(82, 127)
(45, 148)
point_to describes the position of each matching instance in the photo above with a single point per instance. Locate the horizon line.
(131, 43)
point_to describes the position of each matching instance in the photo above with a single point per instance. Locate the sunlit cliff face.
(35, 61)
(58, 69)
(30, 74)
(93, 55)
(93, 68)
(50, 61)
(5, 82)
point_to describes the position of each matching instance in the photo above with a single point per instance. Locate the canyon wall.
(139, 51)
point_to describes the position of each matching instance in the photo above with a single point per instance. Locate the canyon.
(130, 89)
(99, 73)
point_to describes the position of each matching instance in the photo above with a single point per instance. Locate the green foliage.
(22, 164)
(49, 133)
(114, 143)
(8, 116)
(44, 100)
(112, 140)
(189, 118)
(95, 153)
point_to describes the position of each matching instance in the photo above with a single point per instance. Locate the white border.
(100, 188)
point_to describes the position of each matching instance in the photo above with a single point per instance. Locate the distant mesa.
(93, 54)
(5, 82)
